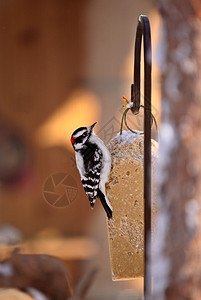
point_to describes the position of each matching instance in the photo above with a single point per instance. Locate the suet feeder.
(125, 189)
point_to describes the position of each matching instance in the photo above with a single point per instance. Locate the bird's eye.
(84, 134)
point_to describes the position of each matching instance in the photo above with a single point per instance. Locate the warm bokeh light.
(82, 108)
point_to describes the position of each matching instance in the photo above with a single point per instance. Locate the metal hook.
(143, 29)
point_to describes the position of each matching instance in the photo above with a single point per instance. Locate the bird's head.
(80, 136)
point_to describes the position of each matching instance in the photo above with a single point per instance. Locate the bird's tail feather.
(108, 210)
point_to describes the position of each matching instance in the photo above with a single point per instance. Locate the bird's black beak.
(90, 128)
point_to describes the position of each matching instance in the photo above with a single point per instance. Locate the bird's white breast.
(80, 163)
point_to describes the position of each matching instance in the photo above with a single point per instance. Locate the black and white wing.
(92, 160)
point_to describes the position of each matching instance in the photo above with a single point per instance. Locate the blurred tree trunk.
(177, 248)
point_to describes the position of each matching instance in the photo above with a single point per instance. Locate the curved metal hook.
(143, 29)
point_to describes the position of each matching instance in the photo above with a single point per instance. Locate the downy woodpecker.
(94, 163)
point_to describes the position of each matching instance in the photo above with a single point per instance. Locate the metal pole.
(143, 29)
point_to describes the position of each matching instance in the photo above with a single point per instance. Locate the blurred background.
(64, 64)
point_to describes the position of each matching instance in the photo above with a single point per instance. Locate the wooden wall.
(42, 51)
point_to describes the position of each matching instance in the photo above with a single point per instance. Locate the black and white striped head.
(80, 136)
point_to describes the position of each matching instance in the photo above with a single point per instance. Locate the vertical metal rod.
(143, 29)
